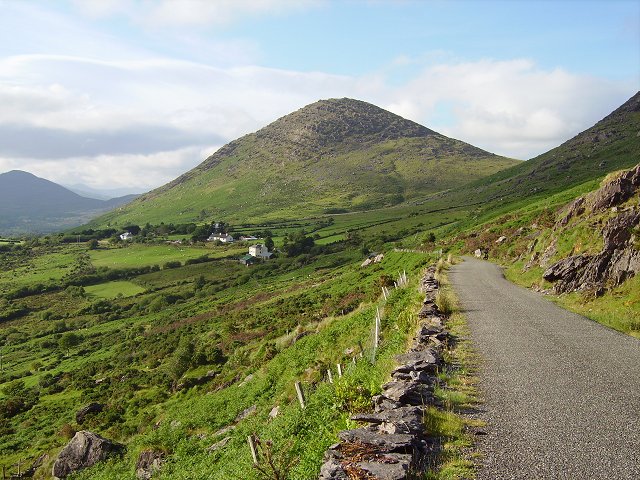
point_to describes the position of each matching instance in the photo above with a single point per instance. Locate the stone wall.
(394, 444)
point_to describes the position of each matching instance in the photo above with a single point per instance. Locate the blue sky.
(125, 93)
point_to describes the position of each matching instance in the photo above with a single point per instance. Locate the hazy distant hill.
(331, 156)
(32, 204)
(102, 194)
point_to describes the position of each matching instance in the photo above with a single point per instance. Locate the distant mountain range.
(29, 204)
(101, 193)
(331, 156)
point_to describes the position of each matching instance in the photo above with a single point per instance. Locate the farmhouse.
(126, 236)
(260, 251)
(220, 237)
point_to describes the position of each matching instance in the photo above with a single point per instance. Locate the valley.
(174, 347)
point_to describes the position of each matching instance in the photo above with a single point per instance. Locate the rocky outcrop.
(618, 260)
(149, 462)
(611, 194)
(618, 190)
(84, 450)
(394, 443)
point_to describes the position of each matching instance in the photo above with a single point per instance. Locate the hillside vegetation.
(177, 354)
(332, 156)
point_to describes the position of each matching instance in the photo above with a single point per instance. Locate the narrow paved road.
(561, 393)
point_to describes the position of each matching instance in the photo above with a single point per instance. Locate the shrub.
(172, 264)
(67, 431)
(445, 302)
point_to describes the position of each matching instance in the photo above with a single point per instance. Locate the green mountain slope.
(611, 144)
(338, 154)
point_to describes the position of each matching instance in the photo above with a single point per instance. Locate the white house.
(126, 236)
(220, 237)
(260, 251)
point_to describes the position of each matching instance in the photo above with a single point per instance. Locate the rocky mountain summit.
(336, 154)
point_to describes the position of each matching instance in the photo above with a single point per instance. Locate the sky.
(132, 93)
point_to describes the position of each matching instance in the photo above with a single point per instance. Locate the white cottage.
(260, 251)
(220, 237)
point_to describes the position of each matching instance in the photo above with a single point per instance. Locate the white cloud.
(512, 108)
(189, 13)
(137, 172)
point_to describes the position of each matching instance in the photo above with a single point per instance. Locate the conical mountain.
(331, 156)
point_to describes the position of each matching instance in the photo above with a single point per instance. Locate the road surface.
(561, 393)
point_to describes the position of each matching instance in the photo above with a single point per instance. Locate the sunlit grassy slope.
(331, 156)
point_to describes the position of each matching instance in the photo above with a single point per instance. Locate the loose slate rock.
(400, 443)
(149, 462)
(84, 450)
(425, 360)
(408, 393)
(394, 467)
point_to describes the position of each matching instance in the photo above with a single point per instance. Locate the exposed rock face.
(619, 258)
(92, 408)
(84, 450)
(149, 462)
(618, 190)
(395, 442)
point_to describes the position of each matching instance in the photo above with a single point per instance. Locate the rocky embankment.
(619, 258)
(395, 444)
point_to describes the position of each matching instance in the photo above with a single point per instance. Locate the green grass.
(252, 314)
(43, 266)
(138, 255)
(114, 289)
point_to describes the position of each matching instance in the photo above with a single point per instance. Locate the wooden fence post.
(300, 394)
(376, 337)
(339, 370)
(252, 446)
(330, 376)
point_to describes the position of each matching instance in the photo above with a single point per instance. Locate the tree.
(181, 359)
(268, 242)
(297, 243)
(199, 283)
(93, 244)
(201, 233)
(133, 229)
(69, 340)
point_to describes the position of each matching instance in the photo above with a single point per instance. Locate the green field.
(137, 255)
(114, 289)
